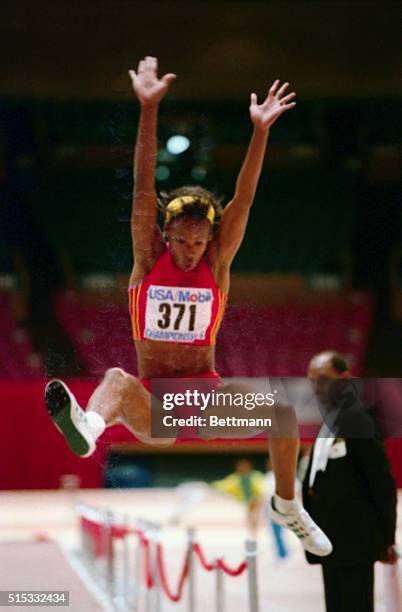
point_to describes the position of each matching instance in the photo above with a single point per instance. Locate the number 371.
(166, 311)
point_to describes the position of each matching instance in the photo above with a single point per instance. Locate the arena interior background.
(321, 263)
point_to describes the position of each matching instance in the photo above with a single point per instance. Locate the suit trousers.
(349, 589)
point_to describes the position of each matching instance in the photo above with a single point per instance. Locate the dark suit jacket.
(354, 500)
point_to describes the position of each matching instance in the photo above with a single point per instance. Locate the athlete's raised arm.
(234, 219)
(146, 236)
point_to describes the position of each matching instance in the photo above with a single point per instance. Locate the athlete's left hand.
(265, 114)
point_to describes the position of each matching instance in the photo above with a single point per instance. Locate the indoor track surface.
(39, 539)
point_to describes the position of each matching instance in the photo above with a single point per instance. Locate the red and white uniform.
(173, 305)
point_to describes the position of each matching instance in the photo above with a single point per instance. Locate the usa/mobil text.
(178, 294)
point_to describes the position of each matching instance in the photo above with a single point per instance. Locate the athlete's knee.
(118, 376)
(115, 372)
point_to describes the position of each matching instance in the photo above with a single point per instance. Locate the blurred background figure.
(188, 496)
(349, 489)
(247, 486)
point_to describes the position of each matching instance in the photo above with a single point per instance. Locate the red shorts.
(189, 383)
(146, 382)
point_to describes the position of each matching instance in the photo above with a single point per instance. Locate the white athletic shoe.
(312, 538)
(69, 418)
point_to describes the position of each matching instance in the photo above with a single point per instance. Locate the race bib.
(177, 314)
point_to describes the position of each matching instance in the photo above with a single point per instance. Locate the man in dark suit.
(348, 489)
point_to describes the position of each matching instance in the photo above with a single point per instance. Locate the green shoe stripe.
(74, 439)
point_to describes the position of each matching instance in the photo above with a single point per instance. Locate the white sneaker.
(69, 418)
(312, 538)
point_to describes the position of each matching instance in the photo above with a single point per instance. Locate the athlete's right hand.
(148, 88)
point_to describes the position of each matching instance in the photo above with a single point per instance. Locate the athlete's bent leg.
(284, 453)
(285, 509)
(283, 436)
(119, 397)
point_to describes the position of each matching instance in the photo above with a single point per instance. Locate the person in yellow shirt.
(247, 486)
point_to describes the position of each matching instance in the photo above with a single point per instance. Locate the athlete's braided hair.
(190, 202)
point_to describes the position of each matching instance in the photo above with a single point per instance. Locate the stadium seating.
(17, 360)
(274, 340)
(304, 216)
(303, 221)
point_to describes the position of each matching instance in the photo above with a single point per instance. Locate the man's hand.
(265, 114)
(392, 555)
(149, 89)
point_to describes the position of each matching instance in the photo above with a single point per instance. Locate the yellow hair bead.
(177, 206)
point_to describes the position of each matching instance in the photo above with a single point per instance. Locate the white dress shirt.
(322, 446)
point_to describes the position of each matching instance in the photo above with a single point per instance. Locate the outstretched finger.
(286, 107)
(287, 98)
(150, 64)
(168, 78)
(282, 90)
(132, 75)
(253, 99)
(273, 88)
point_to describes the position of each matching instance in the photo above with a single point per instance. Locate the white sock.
(96, 424)
(284, 506)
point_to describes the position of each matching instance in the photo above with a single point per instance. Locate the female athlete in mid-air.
(178, 290)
